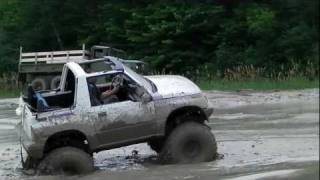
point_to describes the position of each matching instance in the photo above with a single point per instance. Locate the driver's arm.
(116, 83)
(110, 92)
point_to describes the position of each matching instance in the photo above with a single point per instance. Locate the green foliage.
(4, 93)
(173, 36)
(260, 20)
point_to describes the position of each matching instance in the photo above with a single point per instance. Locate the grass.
(264, 84)
(5, 93)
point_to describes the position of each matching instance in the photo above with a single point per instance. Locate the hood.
(171, 86)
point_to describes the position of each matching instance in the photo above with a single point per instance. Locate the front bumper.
(208, 111)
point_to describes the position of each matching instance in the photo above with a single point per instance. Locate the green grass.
(265, 84)
(9, 93)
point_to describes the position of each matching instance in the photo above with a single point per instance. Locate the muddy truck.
(62, 128)
(43, 69)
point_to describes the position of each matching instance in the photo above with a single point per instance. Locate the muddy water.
(9, 146)
(277, 138)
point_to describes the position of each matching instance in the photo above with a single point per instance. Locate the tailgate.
(27, 119)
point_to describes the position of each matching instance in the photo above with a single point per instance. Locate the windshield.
(140, 79)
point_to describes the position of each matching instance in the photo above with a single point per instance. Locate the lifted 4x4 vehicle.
(62, 128)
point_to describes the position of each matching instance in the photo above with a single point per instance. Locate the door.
(124, 121)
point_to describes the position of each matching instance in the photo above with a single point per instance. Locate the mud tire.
(190, 142)
(156, 145)
(39, 84)
(66, 160)
(55, 82)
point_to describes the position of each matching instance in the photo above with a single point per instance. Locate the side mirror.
(145, 98)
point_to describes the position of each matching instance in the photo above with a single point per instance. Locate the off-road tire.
(190, 142)
(156, 144)
(55, 82)
(66, 160)
(39, 84)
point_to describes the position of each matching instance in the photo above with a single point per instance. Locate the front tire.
(66, 160)
(190, 142)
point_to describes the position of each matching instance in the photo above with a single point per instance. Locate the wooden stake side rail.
(54, 56)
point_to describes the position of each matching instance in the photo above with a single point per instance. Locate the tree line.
(203, 37)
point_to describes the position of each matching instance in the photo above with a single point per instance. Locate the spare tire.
(39, 84)
(66, 160)
(190, 142)
(55, 82)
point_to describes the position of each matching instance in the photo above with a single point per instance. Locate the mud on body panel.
(123, 121)
(166, 106)
(64, 120)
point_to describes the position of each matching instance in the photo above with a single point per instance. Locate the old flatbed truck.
(43, 69)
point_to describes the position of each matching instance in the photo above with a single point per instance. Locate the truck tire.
(189, 143)
(55, 82)
(66, 160)
(39, 84)
(156, 145)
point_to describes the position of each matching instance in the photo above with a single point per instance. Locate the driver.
(110, 95)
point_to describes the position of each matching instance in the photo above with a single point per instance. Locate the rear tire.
(190, 142)
(39, 84)
(156, 145)
(66, 160)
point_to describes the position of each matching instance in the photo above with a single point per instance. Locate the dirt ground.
(261, 135)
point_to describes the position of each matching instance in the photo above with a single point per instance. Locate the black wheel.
(188, 143)
(39, 84)
(66, 160)
(156, 144)
(55, 82)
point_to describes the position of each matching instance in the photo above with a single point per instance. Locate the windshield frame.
(141, 80)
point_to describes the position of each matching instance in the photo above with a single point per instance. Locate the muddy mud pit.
(261, 135)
